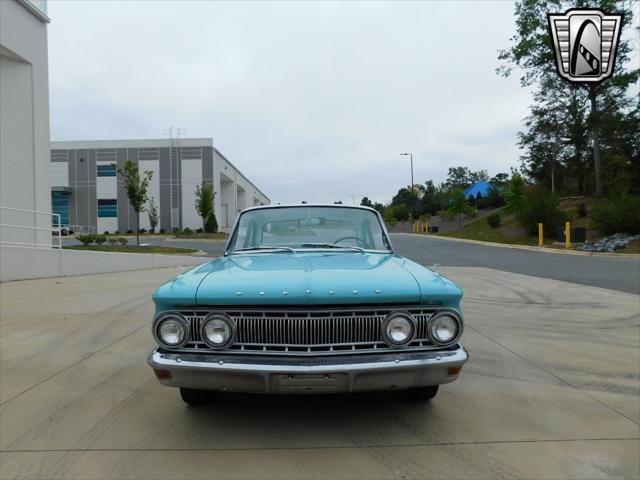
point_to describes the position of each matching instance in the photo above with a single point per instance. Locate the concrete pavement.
(551, 391)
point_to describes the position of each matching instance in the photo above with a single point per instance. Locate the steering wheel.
(359, 241)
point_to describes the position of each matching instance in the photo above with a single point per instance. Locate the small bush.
(86, 239)
(482, 202)
(187, 231)
(129, 232)
(106, 232)
(178, 232)
(540, 206)
(116, 232)
(112, 241)
(162, 230)
(198, 230)
(100, 239)
(620, 214)
(123, 241)
(142, 230)
(494, 220)
(211, 225)
(582, 209)
(71, 232)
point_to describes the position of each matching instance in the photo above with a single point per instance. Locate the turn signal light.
(452, 371)
(163, 374)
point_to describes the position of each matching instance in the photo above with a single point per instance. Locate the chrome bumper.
(322, 374)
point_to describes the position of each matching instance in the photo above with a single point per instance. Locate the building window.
(106, 170)
(60, 206)
(107, 208)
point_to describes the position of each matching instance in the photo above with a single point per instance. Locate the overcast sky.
(312, 101)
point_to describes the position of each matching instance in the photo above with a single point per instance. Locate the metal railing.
(54, 227)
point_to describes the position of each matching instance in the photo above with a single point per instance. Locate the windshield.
(296, 228)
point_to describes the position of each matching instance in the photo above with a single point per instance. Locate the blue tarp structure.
(482, 187)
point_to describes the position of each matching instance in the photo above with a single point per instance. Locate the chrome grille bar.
(318, 331)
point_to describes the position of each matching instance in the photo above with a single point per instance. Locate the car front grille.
(318, 331)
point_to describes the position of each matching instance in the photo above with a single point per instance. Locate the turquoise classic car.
(308, 299)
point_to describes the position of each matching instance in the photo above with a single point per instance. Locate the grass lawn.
(507, 232)
(131, 249)
(632, 247)
(510, 232)
(200, 236)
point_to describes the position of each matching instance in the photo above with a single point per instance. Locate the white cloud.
(313, 101)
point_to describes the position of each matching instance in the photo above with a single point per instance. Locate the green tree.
(540, 206)
(365, 202)
(136, 186)
(458, 205)
(152, 211)
(514, 193)
(531, 51)
(205, 197)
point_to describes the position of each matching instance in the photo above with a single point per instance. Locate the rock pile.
(611, 243)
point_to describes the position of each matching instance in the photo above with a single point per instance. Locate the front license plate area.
(310, 383)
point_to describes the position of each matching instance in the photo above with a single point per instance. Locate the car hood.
(307, 278)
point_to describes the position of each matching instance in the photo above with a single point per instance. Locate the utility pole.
(411, 156)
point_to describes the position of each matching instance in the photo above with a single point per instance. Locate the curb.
(529, 247)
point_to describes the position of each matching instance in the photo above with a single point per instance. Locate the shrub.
(71, 232)
(112, 240)
(620, 214)
(129, 232)
(187, 231)
(495, 198)
(482, 202)
(540, 206)
(86, 239)
(100, 239)
(162, 230)
(178, 232)
(142, 230)
(116, 232)
(211, 225)
(198, 230)
(582, 209)
(443, 214)
(494, 220)
(123, 241)
(106, 232)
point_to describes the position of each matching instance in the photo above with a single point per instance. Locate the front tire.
(423, 394)
(194, 397)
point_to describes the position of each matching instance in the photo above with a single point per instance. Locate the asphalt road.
(542, 395)
(615, 273)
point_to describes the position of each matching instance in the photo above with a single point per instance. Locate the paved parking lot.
(551, 391)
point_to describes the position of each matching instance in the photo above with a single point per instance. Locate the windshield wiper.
(333, 245)
(264, 247)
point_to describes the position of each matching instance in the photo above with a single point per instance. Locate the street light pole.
(411, 156)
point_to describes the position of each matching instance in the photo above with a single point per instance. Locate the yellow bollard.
(426, 227)
(540, 236)
(413, 227)
(567, 235)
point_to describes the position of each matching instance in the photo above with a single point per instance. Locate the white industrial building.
(87, 191)
(25, 199)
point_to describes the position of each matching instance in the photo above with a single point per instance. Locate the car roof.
(307, 205)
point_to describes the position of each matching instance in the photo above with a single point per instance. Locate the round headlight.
(444, 328)
(172, 331)
(217, 331)
(398, 328)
